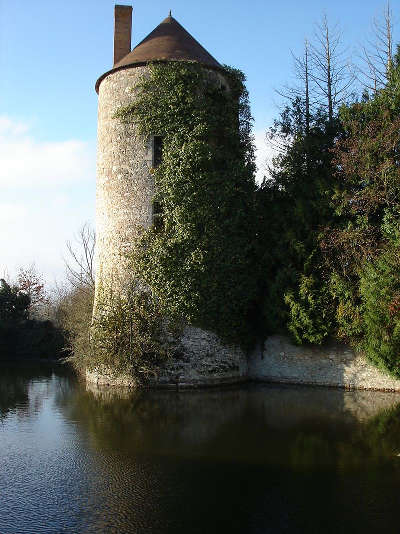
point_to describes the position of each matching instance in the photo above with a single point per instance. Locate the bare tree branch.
(331, 74)
(376, 59)
(80, 262)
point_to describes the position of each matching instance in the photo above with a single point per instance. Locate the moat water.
(249, 459)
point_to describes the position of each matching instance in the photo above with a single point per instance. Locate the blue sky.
(52, 52)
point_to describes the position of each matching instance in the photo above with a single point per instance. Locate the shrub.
(310, 312)
(380, 294)
(129, 335)
(74, 315)
(20, 336)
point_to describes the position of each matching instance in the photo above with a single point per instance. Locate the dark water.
(254, 459)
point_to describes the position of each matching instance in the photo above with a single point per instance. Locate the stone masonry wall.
(328, 365)
(204, 361)
(124, 187)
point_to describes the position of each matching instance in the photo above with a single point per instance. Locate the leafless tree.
(5, 274)
(295, 93)
(30, 281)
(80, 262)
(331, 71)
(302, 69)
(301, 88)
(376, 58)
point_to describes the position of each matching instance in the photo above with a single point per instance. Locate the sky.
(52, 52)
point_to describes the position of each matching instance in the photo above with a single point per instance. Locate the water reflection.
(257, 458)
(300, 427)
(19, 385)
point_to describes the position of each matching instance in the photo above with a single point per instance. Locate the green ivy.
(198, 257)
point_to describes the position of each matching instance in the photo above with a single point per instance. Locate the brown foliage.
(368, 166)
(346, 249)
(368, 172)
(30, 282)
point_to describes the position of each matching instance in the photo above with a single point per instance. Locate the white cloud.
(47, 191)
(27, 162)
(11, 213)
(264, 154)
(12, 128)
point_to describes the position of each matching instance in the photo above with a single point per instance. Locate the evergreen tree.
(293, 207)
(362, 250)
(14, 304)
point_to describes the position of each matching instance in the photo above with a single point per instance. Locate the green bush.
(348, 309)
(20, 336)
(380, 294)
(129, 335)
(310, 311)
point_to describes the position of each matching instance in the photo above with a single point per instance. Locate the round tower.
(125, 188)
(124, 158)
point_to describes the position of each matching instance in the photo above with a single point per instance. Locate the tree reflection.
(12, 393)
(257, 458)
(275, 457)
(278, 426)
(15, 385)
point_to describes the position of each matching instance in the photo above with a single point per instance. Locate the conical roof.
(169, 41)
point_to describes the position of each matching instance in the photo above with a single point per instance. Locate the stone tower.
(125, 185)
(124, 159)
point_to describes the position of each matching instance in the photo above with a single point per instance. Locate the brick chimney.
(122, 31)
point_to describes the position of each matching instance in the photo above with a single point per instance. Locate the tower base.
(204, 361)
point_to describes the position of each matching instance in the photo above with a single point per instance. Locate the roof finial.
(170, 13)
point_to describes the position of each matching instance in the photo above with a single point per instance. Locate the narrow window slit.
(157, 150)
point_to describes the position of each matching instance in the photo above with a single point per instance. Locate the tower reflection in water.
(258, 458)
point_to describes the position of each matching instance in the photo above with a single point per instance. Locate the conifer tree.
(293, 207)
(362, 250)
(294, 204)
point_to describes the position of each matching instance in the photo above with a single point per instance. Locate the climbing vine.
(198, 257)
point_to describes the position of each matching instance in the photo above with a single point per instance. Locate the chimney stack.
(122, 31)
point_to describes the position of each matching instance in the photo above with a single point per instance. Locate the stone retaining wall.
(329, 365)
(205, 361)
